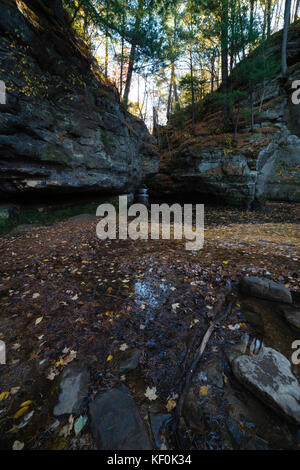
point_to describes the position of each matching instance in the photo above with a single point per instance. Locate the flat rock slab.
(73, 391)
(116, 423)
(268, 375)
(265, 289)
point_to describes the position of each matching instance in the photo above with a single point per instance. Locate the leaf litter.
(84, 278)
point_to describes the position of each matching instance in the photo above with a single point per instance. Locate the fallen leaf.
(151, 393)
(20, 412)
(52, 374)
(171, 405)
(17, 445)
(4, 396)
(26, 403)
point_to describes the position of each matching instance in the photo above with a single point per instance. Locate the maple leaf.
(17, 445)
(151, 393)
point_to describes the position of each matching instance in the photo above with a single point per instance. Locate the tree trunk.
(224, 55)
(269, 14)
(265, 23)
(212, 74)
(287, 17)
(175, 85)
(155, 121)
(192, 90)
(169, 98)
(297, 10)
(250, 38)
(121, 71)
(106, 55)
(122, 56)
(132, 52)
(129, 72)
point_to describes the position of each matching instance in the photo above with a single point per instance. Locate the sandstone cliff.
(62, 128)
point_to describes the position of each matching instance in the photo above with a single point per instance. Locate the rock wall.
(62, 128)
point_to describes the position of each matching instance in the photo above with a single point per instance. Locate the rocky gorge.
(64, 131)
(141, 344)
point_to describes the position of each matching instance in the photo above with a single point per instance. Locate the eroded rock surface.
(62, 128)
(265, 289)
(268, 375)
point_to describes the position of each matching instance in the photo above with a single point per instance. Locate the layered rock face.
(208, 173)
(62, 128)
(264, 165)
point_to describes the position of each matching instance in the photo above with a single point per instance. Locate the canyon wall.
(62, 129)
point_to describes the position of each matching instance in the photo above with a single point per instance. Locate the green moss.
(107, 138)
(32, 216)
(53, 153)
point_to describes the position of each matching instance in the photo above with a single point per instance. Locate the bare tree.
(287, 18)
(296, 16)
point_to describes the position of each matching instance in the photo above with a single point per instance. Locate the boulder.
(265, 289)
(268, 375)
(116, 423)
(73, 391)
(210, 173)
(278, 177)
